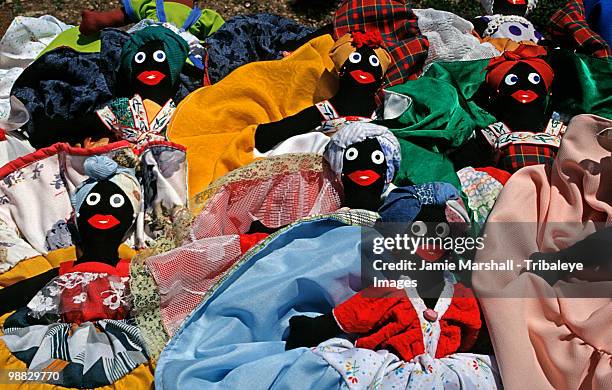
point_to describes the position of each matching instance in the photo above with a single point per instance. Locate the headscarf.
(530, 54)
(403, 204)
(356, 132)
(488, 6)
(175, 47)
(102, 168)
(349, 43)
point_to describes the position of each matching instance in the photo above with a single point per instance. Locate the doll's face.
(362, 69)
(105, 215)
(152, 72)
(431, 222)
(510, 7)
(363, 174)
(365, 163)
(523, 85)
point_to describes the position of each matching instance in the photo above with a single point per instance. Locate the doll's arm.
(268, 135)
(480, 25)
(358, 314)
(21, 293)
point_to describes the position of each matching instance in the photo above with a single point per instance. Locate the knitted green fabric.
(175, 47)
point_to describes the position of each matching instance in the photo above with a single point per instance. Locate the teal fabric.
(442, 116)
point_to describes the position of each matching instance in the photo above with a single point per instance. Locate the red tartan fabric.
(517, 156)
(568, 26)
(386, 319)
(398, 27)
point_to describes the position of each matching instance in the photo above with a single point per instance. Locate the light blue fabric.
(234, 339)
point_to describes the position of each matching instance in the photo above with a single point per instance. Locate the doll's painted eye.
(534, 78)
(351, 154)
(442, 229)
(511, 79)
(140, 57)
(355, 57)
(93, 198)
(378, 157)
(117, 200)
(374, 61)
(159, 56)
(419, 228)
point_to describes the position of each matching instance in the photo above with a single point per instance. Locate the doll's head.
(152, 60)
(519, 85)
(366, 156)
(433, 211)
(509, 7)
(106, 206)
(360, 60)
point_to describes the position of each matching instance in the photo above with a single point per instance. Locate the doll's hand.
(308, 331)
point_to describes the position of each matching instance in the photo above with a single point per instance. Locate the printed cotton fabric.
(248, 38)
(35, 207)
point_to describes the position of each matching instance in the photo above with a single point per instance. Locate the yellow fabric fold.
(217, 123)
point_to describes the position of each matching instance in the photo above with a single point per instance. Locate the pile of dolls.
(185, 200)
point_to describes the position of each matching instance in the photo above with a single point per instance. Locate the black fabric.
(309, 332)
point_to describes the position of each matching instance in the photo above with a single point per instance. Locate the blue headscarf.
(356, 132)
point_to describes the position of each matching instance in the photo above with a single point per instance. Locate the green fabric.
(72, 38)
(582, 84)
(441, 118)
(177, 13)
(175, 47)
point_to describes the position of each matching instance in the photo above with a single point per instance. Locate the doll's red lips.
(362, 77)
(103, 222)
(364, 178)
(151, 77)
(517, 2)
(525, 96)
(431, 253)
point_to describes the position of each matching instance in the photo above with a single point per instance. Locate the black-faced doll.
(366, 156)
(80, 320)
(361, 63)
(437, 317)
(518, 87)
(151, 63)
(506, 19)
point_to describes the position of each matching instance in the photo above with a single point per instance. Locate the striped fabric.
(517, 156)
(569, 28)
(398, 27)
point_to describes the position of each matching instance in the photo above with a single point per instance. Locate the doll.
(106, 206)
(518, 85)
(152, 60)
(361, 63)
(506, 19)
(366, 157)
(180, 13)
(87, 299)
(396, 319)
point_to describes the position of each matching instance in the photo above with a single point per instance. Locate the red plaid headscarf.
(530, 54)
(398, 27)
(568, 26)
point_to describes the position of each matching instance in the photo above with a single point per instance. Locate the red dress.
(386, 319)
(94, 291)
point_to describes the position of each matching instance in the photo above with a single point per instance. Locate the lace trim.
(261, 170)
